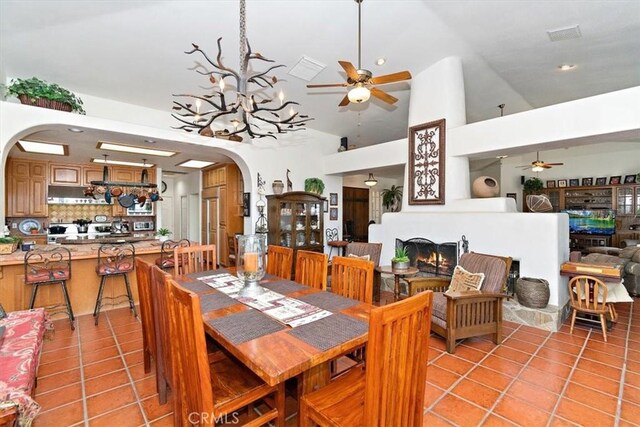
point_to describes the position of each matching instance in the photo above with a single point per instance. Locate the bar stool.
(166, 260)
(49, 266)
(115, 259)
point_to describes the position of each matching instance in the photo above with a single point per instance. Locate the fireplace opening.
(436, 259)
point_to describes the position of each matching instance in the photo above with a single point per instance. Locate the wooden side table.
(397, 273)
(339, 244)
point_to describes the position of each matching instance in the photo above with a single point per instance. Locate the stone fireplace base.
(550, 318)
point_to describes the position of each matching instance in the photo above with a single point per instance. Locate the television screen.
(597, 221)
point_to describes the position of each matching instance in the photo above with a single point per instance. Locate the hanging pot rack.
(144, 177)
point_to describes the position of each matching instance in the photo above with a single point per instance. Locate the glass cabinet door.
(301, 224)
(315, 210)
(286, 215)
(554, 198)
(625, 201)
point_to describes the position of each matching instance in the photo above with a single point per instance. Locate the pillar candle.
(251, 262)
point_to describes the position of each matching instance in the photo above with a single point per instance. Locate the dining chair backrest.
(279, 261)
(397, 354)
(116, 258)
(189, 352)
(352, 278)
(47, 264)
(167, 261)
(311, 269)
(160, 297)
(588, 294)
(231, 250)
(143, 278)
(194, 259)
(363, 249)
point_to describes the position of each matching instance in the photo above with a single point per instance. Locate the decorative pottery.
(277, 186)
(400, 265)
(485, 186)
(163, 238)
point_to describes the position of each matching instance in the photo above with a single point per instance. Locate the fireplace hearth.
(431, 258)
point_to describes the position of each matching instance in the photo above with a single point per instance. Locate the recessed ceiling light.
(196, 164)
(43, 148)
(381, 61)
(123, 163)
(150, 141)
(502, 157)
(76, 130)
(566, 67)
(133, 149)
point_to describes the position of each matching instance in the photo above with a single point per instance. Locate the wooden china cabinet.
(296, 220)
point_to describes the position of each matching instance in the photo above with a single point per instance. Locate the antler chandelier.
(243, 111)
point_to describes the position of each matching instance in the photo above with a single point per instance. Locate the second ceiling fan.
(362, 81)
(538, 165)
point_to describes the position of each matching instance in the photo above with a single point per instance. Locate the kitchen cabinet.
(27, 188)
(296, 221)
(124, 174)
(93, 173)
(65, 174)
(221, 192)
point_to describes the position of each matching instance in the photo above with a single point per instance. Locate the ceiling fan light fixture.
(371, 181)
(537, 168)
(359, 94)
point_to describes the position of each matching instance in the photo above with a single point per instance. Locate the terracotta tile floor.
(94, 376)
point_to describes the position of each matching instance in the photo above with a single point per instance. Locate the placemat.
(331, 331)
(245, 326)
(329, 301)
(283, 286)
(208, 273)
(215, 301)
(196, 286)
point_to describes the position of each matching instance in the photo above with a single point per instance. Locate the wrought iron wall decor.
(427, 163)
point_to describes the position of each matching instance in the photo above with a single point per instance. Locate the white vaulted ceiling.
(133, 51)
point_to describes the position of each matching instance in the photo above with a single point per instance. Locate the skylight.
(43, 148)
(196, 164)
(133, 149)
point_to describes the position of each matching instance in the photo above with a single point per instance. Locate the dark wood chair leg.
(161, 384)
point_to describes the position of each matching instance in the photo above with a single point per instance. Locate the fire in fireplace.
(438, 259)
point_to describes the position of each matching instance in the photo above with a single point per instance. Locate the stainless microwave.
(145, 209)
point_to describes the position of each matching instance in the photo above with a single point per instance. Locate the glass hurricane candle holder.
(250, 263)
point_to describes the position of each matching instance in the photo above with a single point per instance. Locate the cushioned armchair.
(458, 315)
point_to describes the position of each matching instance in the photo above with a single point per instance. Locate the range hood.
(64, 195)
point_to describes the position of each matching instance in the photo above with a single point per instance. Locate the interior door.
(356, 213)
(166, 207)
(184, 217)
(212, 224)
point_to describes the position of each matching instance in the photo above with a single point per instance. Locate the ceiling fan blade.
(351, 71)
(391, 78)
(384, 96)
(554, 164)
(345, 101)
(546, 166)
(329, 85)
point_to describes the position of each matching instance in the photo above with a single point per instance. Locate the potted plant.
(401, 259)
(533, 185)
(314, 185)
(37, 92)
(163, 234)
(33, 230)
(392, 197)
(9, 244)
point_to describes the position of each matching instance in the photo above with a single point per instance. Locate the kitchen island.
(84, 282)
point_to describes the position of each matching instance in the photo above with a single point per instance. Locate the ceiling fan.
(362, 81)
(538, 165)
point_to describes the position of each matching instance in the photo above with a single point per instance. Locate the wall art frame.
(333, 214)
(427, 154)
(333, 197)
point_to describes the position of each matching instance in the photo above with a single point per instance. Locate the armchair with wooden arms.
(458, 315)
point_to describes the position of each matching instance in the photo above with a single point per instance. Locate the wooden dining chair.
(279, 261)
(212, 387)
(589, 296)
(143, 277)
(311, 269)
(159, 297)
(390, 391)
(352, 278)
(194, 259)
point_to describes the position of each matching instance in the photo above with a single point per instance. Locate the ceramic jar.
(485, 186)
(277, 186)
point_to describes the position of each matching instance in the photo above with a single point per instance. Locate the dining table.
(273, 350)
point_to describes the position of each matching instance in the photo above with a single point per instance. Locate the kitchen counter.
(84, 282)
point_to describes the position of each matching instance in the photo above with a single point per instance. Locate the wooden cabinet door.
(38, 197)
(208, 178)
(221, 174)
(38, 170)
(222, 206)
(122, 174)
(65, 174)
(18, 196)
(93, 173)
(19, 168)
(223, 247)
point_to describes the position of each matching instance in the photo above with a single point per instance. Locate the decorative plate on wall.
(26, 226)
(100, 218)
(164, 187)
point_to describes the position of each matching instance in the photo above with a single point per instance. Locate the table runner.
(245, 326)
(331, 331)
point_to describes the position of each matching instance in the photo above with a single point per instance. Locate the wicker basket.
(532, 293)
(45, 103)
(8, 248)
